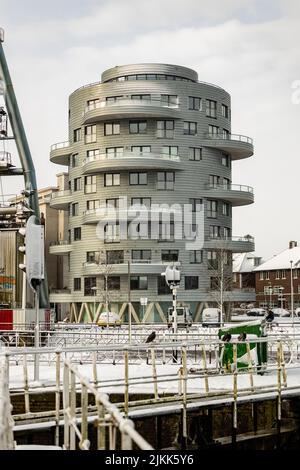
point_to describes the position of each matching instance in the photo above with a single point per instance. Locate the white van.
(211, 317)
(183, 317)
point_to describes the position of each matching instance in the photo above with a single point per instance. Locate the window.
(140, 255)
(93, 205)
(196, 204)
(191, 282)
(226, 209)
(113, 283)
(139, 231)
(169, 255)
(226, 183)
(214, 231)
(90, 134)
(166, 231)
(112, 233)
(112, 203)
(227, 232)
(90, 184)
(77, 135)
(91, 257)
(212, 260)
(139, 282)
(92, 154)
(115, 257)
(194, 103)
(225, 111)
(92, 104)
(141, 148)
(264, 275)
(196, 256)
(141, 201)
(112, 179)
(138, 178)
(226, 134)
(76, 283)
(169, 100)
(189, 128)
(225, 160)
(141, 97)
(165, 129)
(211, 108)
(89, 283)
(111, 128)
(212, 209)
(162, 287)
(75, 160)
(114, 152)
(170, 150)
(77, 234)
(195, 153)
(213, 130)
(214, 181)
(77, 184)
(75, 207)
(165, 180)
(137, 127)
(283, 274)
(113, 99)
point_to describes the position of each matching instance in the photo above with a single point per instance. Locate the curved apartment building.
(153, 134)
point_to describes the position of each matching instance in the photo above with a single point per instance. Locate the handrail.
(60, 243)
(5, 157)
(233, 137)
(130, 101)
(108, 156)
(60, 145)
(66, 192)
(230, 187)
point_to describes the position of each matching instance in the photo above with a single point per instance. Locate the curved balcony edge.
(60, 153)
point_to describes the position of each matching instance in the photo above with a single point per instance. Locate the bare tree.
(106, 261)
(220, 269)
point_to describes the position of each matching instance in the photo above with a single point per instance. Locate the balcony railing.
(130, 102)
(230, 187)
(230, 137)
(67, 192)
(144, 155)
(60, 291)
(60, 145)
(60, 243)
(230, 239)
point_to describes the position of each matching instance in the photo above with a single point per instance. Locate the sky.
(249, 47)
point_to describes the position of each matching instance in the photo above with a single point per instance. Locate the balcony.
(234, 244)
(60, 153)
(136, 267)
(237, 195)
(131, 160)
(234, 295)
(124, 108)
(60, 296)
(61, 247)
(238, 146)
(110, 214)
(61, 200)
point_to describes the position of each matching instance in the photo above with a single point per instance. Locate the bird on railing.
(151, 337)
(226, 338)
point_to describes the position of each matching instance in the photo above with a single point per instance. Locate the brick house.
(277, 280)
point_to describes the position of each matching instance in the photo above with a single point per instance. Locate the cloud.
(256, 62)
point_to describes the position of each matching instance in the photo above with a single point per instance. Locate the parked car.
(211, 317)
(297, 312)
(280, 312)
(109, 319)
(256, 312)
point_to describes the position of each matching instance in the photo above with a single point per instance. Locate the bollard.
(154, 373)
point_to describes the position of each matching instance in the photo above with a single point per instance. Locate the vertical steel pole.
(37, 334)
(129, 303)
(23, 149)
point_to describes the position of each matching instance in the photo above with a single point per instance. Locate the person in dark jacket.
(270, 316)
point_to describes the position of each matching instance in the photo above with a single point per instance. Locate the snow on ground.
(140, 378)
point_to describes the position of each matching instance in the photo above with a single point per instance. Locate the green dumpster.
(258, 350)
